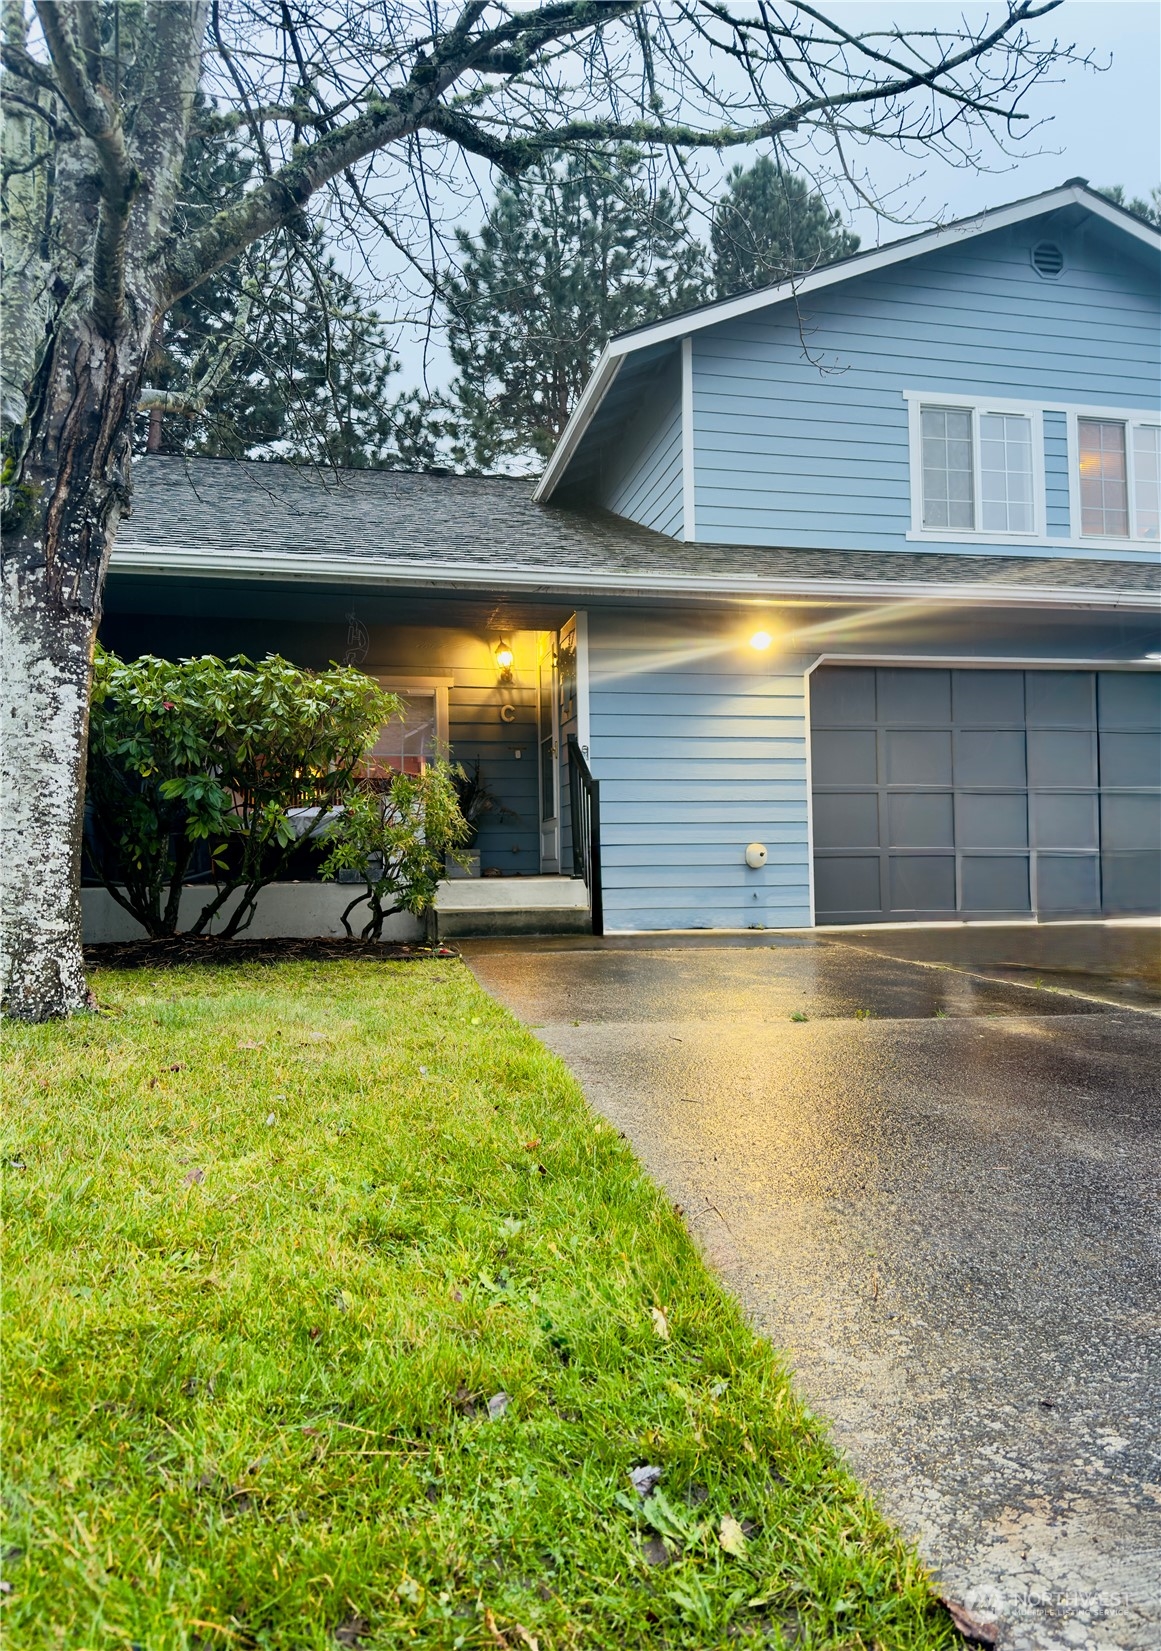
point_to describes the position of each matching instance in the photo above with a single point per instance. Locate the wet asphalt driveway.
(939, 1193)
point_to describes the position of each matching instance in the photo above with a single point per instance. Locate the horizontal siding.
(699, 750)
(643, 474)
(800, 427)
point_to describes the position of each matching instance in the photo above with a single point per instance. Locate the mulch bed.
(211, 950)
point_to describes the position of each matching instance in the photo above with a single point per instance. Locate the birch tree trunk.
(62, 519)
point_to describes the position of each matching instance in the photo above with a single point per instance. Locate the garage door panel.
(990, 757)
(844, 757)
(847, 884)
(922, 882)
(1068, 883)
(914, 696)
(918, 756)
(1060, 699)
(988, 820)
(987, 793)
(1130, 699)
(987, 699)
(920, 819)
(843, 698)
(1131, 822)
(1130, 759)
(1130, 883)
(1063, 819)
(1060, 758)
(995, 883)
(846, 819)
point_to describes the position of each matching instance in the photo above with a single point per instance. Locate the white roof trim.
(860, 263)
(165, 561)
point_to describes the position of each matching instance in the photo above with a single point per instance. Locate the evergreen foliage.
(217, 753)
(769, 225)
(570, 255)
(1149, 209)
(306, 365)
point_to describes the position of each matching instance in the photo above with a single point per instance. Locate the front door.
(548, 729)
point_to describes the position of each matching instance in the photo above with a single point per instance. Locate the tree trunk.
(61, 515)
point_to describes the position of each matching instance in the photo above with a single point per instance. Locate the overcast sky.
(1103, 126)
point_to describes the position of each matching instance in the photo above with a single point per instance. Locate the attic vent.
(1047, 260)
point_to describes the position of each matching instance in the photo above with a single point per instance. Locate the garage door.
(945, 793)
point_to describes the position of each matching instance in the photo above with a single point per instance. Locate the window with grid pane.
(948, 482)
(406, 744)
(1147, 480)
(1104, 487)
(1005, 473)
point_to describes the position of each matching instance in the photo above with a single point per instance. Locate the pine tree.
(1149, 209)
(769, 225)
(567, 257)
(301, 365)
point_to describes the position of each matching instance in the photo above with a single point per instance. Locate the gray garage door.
(943, 793)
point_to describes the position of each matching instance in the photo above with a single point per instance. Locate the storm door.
(548, 734)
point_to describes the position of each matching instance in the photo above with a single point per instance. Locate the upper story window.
(1120, 478)
(978, 470)
(987, 472)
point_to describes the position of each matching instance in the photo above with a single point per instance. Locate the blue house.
(837, 602)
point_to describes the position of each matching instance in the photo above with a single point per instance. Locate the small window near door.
(407, 744)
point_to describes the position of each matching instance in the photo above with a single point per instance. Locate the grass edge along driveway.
(335, 1317)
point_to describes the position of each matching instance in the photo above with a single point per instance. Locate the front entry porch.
(494, 687)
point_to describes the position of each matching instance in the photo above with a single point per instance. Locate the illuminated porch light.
(761, 640)
(504, 659)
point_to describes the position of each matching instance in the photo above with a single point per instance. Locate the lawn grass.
(275, 1237)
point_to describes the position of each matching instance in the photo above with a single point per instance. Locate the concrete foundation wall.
(286, 911)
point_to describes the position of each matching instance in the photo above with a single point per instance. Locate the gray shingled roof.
(214, 510)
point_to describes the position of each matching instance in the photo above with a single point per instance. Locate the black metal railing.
(584, 795)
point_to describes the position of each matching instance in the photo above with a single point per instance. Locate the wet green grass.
(275, 1237)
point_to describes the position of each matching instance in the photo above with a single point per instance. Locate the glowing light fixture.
(761, 640)
(504, 658)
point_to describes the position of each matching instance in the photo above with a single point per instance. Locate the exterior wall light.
(504, 658)
(761, 640)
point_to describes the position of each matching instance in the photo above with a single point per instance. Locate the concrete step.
(512, 905)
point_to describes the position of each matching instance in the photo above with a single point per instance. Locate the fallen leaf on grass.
(528, 1639)
(248, 1044)
(497, 1405)
(645, 1479)
(971, 1628)
(531, 1146)
(731, 1537)
(270, 1119)
(194, 1176)
(660, 1322)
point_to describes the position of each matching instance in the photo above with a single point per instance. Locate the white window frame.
(976, 406)
(404, 683)
(1095, 545)
(1132, 419)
